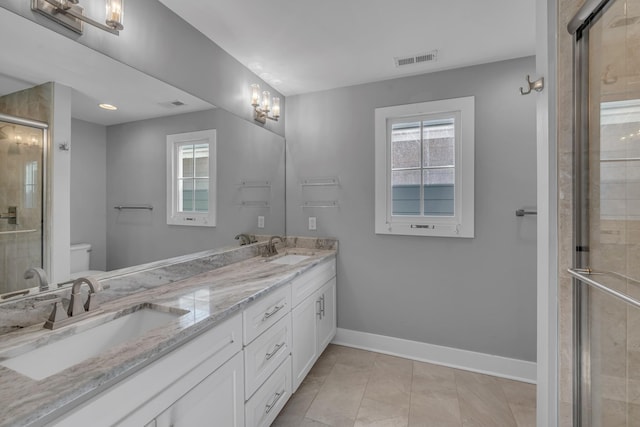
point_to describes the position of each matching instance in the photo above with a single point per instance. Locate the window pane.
(185, 195)
(405, 145)
(202, 195)
(439, 191)
(439, 143)
(185, 161)
(202, 160)
(405, 192)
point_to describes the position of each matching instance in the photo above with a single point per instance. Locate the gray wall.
(136, 173)
(160, 43)
(475, 294)
(89, 189)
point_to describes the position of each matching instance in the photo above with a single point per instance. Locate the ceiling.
(94, 77)
(301, 46)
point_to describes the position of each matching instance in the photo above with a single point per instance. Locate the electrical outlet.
(260, 221)
(312, 223)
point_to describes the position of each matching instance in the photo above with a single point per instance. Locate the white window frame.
(174, 216)
(462, 223)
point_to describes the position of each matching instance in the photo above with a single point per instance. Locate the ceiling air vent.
(172, 104)
(416, 59)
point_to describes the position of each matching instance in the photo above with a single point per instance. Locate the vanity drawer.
(263, 407)
(265, 312)
(266, 353)
(312, 280)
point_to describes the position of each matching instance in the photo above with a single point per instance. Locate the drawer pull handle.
(319, 311)
(275, 350)
(276, 309)
(275, 400)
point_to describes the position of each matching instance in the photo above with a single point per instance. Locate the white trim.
(462, 224)
(514, 369)
(547, 218)
(201, 219)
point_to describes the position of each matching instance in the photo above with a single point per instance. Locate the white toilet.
(80, 259)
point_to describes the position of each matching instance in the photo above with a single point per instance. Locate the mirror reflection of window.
(620, 160)
(31, 184)
(193, 177)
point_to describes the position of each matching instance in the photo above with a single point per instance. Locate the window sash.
(421, 122)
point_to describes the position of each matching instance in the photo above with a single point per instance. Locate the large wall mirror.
(98, 177)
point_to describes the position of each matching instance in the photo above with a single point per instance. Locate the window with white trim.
(424, 157)
(191, 178)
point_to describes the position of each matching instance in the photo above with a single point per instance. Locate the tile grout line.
(365, 387)
(413, 370)
(324, 378)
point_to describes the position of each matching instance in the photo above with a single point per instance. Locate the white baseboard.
(504, 367)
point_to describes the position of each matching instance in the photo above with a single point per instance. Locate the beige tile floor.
(351, 387)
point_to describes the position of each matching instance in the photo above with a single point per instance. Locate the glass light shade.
(115, 12)
(255, 95)
(276, 107)
(266, 101)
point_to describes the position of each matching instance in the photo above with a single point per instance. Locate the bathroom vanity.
(227, 345)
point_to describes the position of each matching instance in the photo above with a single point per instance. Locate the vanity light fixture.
(70, 14)
(263, 105)
(108, 107)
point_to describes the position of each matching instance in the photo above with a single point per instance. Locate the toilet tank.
(80, 257)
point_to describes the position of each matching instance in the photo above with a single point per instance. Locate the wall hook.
(538, 85)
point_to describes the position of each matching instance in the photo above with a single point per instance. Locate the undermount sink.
(56, 356)
(290, 259)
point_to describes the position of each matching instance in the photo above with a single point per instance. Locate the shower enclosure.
(22, 154)
(607, 214)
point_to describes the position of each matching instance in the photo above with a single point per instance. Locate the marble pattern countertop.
(225, 287)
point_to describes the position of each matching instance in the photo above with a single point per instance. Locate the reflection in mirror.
(97, 160)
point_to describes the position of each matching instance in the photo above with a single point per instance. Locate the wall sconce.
(71, 15)
(263, 106)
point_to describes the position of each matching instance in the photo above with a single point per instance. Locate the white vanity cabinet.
(214, 401)
(203, 368)
(240, 373)
(313, 318)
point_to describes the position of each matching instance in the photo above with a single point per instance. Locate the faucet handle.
(58, 314)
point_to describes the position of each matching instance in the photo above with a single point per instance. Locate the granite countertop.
(209, 297)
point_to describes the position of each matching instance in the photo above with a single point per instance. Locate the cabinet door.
(327, 318)
(304, 338)
(216, 401)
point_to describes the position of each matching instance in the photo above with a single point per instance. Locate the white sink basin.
(52, 358)
(290, 259)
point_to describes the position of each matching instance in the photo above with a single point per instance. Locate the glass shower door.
(607, 217)
(21, 203)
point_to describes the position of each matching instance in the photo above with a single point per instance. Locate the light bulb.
(115, 11)
(266, 101)
(255, 95)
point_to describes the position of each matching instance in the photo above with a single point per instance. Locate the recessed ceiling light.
(108, 107)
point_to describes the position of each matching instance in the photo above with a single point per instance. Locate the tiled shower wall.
(18, 252)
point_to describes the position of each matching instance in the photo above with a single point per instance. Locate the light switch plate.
(260, 221)
(312, 223)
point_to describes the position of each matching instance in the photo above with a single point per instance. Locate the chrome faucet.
(76, 310)
(75, 304)
(270, 249)
(245, 239)
(43, 280)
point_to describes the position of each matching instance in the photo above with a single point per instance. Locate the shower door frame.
(579, 27)
(45, 237)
